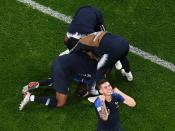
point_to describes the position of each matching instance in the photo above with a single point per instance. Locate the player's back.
(75, 63)
(111, 44)
(87, 20)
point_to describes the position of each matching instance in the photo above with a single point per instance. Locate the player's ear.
(101, 92)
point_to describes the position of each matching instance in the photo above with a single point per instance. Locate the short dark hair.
(101, 82)
(70, 42)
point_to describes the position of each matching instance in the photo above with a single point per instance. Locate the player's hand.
(102, 97)
(116, 90)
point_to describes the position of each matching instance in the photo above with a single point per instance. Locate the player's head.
(105, 87)
(70, 42)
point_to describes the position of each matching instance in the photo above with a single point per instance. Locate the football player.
(107, 106)
(64, 69)
(84, 88)
(86, 20)
(109, 48)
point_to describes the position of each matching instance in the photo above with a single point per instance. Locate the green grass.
(30, 41)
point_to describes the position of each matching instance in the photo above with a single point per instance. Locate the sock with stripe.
(47, 82)
(45, 100)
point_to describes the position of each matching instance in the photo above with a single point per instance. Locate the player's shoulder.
(115, 95)
(97, 102)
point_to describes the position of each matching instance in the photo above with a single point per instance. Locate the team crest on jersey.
(116, 104)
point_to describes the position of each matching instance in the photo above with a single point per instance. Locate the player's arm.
(127, 99)
(101, 108)
(64, 52)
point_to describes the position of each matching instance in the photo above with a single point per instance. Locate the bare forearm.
(103, 113)
(128, 100)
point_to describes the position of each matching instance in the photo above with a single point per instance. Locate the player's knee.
(61, 99)
(60, 104)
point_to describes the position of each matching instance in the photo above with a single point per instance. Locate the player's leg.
(105, 64)
(60, 83)
(40, 84)
(118, 65)
(45, 100)
(58, 101)
(122, 53)
(61, 99)
(48, 101)
(125, 64)
(60, 86)
(126, 69)
(60, 80)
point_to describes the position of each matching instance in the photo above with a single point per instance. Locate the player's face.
(106, 88)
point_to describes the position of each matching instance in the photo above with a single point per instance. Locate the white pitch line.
(67, 19)
(47, 10)
(152, 58)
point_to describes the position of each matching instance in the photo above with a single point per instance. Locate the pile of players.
(92, 53)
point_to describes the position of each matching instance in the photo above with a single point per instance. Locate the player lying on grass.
(64, 69)
(107, 104)
(86, 20)
(84, 88)
(109, 48)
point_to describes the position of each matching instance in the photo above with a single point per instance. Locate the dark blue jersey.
(113, 122)
(111, 49)
(87, 20)
(67, 67)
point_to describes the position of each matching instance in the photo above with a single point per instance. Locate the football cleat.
(118, 65)
(25, 101)
(94, 92)
(128, 75)
(30, 86)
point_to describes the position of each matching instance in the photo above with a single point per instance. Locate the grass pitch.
(30, 41)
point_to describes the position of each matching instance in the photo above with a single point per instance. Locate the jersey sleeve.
(118, 97)
(98, 104)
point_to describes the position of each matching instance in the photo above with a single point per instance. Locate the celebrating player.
(109, 48)
(64, 69)
(107, 104)
(86, 20)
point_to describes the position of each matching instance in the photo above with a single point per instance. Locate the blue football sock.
(47, 82)
(45, 100)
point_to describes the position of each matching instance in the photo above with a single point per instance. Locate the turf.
(30, 41)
